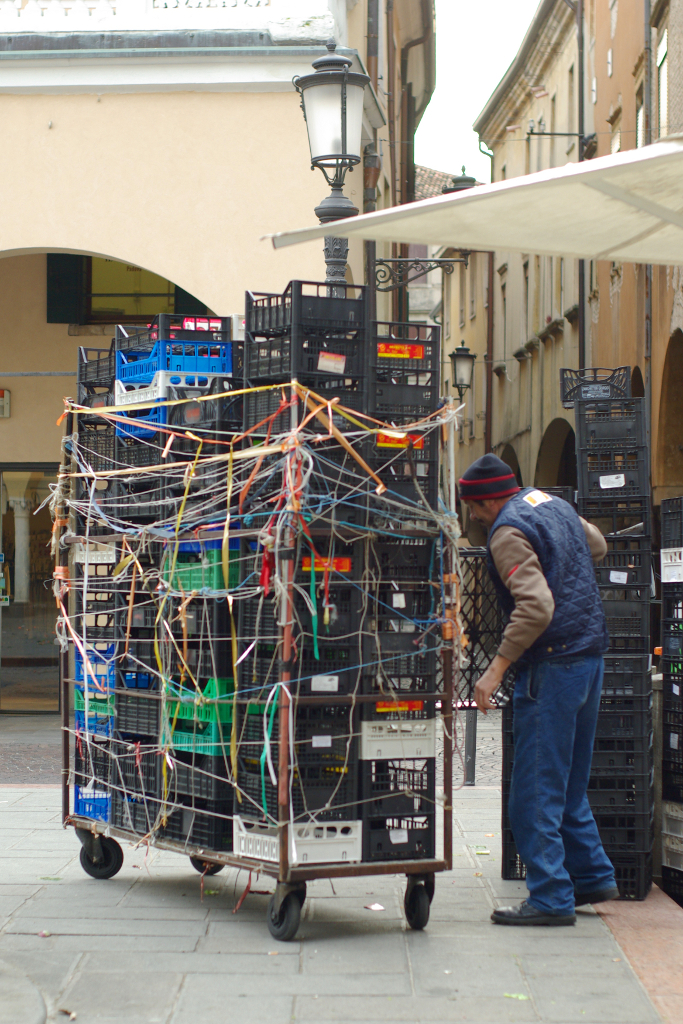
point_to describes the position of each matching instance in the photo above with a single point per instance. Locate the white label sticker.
(330, 362)
(673, 740)
(321, 741)
(398, 835)
(325, 684)
(398, 600)
(535, 498)
(618, 577)
(676, 690)
(616, 480)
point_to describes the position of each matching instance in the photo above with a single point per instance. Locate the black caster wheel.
(205, 867)
(283, 925)
(416, 905)
(301, 894)
(110, 863)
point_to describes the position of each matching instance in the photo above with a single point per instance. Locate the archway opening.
(510, 459)
(670, 449)
(637, 384)
(556, 463)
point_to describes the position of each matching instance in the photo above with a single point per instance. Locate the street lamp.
(462, 368)
(332, 102)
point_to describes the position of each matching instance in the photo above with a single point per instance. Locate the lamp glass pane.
(463, 369)
(354, 119)
(323, 119)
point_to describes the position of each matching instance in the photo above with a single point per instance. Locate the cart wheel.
(416, 905)
(300, 894)
(283, 925)
(205, 866)
(110, 864)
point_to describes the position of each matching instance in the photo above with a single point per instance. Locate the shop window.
(92, 290)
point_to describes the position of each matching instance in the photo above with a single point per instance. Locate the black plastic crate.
(199, 775)
(398, 464)
(137, 712)
(97, 448)
(672, 684)
(623, 755)
(672, 522)
(96, 366)
(264, 409)
(407, 402)
(628, 792)
(405, 560)
(625, 832)
(399, 708)
(92, 761)
(212, 419)
(401, 349)
(172, 327)
(628, 563)
(627, 618)
(672, 641)
(612, 423)
(613, 474)
(621, 717)
(633, 874)
(404, 837)
(513, 867)
(322, 735)
(204, 823)
(396, 687)
(135, 813)
(567, 494)
(594, 383)
(613, 514)
(322, 791)
(136, 770)
(307, 304)
(399, 654)
(672, 778)
(396, 788)
(308, 353)
(141, 452)
(672, 884)
(673, 733)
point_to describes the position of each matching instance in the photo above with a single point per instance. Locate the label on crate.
(672, 565)
(330, 362)
(607, 483)
(618, 577)
(388, 350)
(319, 742)
(325, 684)
(535, 498)
(595, 391)
(327, 564)
(398, 836)
(398, 600)
(673, 740)
(400, 441)
(675, 689)
(387, 706)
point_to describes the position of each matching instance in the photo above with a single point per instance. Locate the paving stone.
(416, 1009)
(103, 925)
(121, 996)
(199, 1002)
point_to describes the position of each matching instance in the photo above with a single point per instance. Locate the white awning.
(627, 207)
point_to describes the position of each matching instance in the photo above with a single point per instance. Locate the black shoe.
(581, 899)
(525, 913)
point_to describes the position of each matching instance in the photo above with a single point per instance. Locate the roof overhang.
(627, 207)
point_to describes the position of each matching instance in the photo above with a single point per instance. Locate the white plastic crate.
(672, 565)
(157, 391)
(672, 857)
(97, 554)
(334, 842)
(384, 740)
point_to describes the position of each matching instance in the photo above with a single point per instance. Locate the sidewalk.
(142, 947)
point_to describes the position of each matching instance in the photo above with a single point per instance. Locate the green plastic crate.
(201, 737)
(99, 703)
(193, 573)
(193, 708)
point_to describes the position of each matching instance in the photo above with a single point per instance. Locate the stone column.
(22, 551)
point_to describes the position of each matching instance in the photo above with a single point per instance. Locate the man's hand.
(490, 681)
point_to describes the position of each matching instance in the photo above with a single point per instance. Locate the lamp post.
(462, 368)
(332, 102)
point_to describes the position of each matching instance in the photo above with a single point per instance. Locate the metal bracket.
(283, 889)
(427, 880)
(397, 273)
(91, 844)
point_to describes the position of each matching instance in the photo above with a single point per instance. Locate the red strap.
(514, 569)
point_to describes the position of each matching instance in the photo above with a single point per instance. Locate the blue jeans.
(555, 714)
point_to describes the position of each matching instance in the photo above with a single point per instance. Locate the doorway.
(29, 659)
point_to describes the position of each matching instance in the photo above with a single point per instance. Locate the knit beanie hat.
(488, 477)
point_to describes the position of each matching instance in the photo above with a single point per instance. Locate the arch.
(556, 462)
(509, 457)
(637, 383)
(669, 448)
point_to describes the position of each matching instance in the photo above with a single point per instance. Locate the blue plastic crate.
(201, 357)
(102, 663)
(98, 725)
(92, 804)
(143, 426)
(139, 680)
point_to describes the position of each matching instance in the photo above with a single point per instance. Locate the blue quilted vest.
(554, 531)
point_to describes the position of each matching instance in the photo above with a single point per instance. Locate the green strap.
(314, 613)
(263, 758)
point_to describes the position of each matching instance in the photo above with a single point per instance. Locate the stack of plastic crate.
(672, 683)
(363, 679)
(613, 493)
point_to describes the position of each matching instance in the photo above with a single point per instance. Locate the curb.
(20, 1000)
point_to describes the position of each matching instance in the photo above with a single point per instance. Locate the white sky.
(476, 41)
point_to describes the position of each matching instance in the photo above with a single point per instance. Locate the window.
(526, 298)
(553, 129)
(610, 63)
(663, 86)
(570, 99)
(448, 293)
(615, 143)
(462, 287)
(473, 286)
(640, 119)
(504, 304)
(91, 290)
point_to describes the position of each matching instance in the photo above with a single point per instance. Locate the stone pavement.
(143, 948)
(30, 749)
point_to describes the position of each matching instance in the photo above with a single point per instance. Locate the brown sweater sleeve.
(596, 541)
(520, 570)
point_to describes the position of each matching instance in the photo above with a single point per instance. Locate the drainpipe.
(582, 263)
(488, 415)
(647, 133)
(372, 50)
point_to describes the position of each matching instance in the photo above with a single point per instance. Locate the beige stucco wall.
(184, 184)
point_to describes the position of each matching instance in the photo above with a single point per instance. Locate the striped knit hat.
(488, 477)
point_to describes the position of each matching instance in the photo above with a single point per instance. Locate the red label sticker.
(389, 441)
(401, 705)
(387, 350)
(333, 564)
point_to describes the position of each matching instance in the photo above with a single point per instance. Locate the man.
(540, 556)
